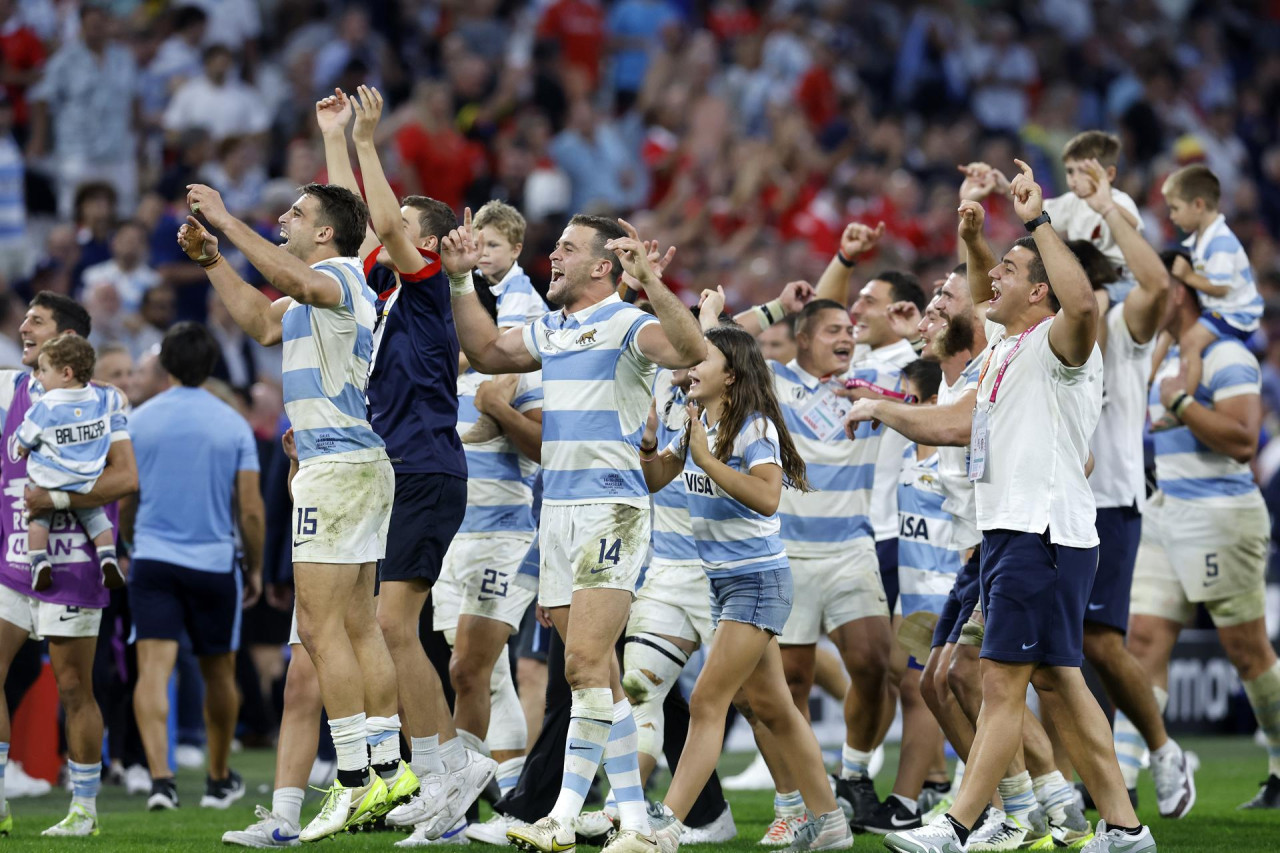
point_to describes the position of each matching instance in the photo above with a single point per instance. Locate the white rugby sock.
(425, 756)
(1018, 796)
(287, 803)
(383, 736)
(1264, 697)
(590, 720)
(853, 762)
(508, 774)
(85, 781)
(621, 765)
(349, 741)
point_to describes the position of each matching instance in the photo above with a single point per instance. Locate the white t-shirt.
(953, 465)
(1074, 217)
(1118, 478)
(884, 492)
(1038, 439)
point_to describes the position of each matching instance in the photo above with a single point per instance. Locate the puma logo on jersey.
(586, 338)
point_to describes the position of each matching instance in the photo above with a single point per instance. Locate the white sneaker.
(189, 756)
(631, 841)
(782, 831)
(494, 830)
(719, 831)
(270, 831)
(828, 831)
(1175, 782)
(755, 778)
(668, 832)
(137, 780)
(18, 784)
(998, 832)
(78, 822)
(456, 834)
(343, 807)
(937, 837)
(1107, 840)
(462, 788)
(422, 806)
(595, 824)
(546, 835)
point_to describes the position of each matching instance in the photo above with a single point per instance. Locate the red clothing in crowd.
(443, 161)
(578, 26)
(20, 50)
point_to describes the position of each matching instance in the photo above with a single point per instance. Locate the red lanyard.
(1005, 364)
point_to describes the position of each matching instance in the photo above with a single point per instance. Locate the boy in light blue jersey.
(66, 436)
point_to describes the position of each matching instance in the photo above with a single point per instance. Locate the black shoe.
(940, 787)
(1088, 800)
(164, 795)
(893, 815)
(857, 798)
(221, 793)
(1268, 797)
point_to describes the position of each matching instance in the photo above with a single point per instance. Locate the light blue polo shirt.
(190, 445)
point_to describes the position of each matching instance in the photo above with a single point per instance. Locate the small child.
(66, 436)
(1074, 217)
(1219, 268)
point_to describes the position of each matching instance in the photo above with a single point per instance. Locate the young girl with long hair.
(735, 457)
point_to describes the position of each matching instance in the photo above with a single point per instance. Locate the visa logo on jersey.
(699, 484)
(913, 527)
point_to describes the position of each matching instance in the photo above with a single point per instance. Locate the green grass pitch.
(1229, 775)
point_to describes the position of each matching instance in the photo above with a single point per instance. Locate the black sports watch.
(1038, 221)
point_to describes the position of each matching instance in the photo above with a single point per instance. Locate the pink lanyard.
(1005, 364)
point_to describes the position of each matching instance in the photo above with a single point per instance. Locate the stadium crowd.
(471, 412)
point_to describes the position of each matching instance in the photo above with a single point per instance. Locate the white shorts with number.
(834, 590)
(590, 546)
(1192, 553)
(41, 619)
(675, 601)
(480, 577)
(341, 511)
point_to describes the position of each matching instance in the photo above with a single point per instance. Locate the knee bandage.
(507, 728)
(652, 667)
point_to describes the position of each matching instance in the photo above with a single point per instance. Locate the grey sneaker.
(828, 831)
(1175, 782)
(1107, 840)
(1069, 826)
(937, 837)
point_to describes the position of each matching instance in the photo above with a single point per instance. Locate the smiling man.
(344, 488)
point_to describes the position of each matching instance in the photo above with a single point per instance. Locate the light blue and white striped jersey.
(672, 528)
(731, 538)
(1218, 256)
(597, 388)
(1185, 466)
(953, 464)
(69, 431)
(841, 471)
(889, 360)
(927, 559)
(499, 476)
(326, 369)
(518, 301)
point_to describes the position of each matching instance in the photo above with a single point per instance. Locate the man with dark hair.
(343, 491)
(184, 574)
(598, 356)
(69, 612)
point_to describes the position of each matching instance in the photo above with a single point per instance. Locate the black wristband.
(849, 263)
(1042, 219)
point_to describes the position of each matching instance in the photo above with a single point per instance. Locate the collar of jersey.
(572, 321)
(1209, 233)
(807, 379)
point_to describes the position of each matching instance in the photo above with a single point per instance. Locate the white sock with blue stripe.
(85, 781)
(4, 763)
(590, 720)
(383, 736)
(1019, 797)
(1053, 793)
(1264, 697)
(788, 804)
(853, 762)
(508, 774)
(622, 766)
(1129, 748)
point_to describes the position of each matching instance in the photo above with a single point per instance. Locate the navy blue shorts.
(960, 603)
(426, 515)
(887, 554)
(1216, 323)
(534, 639)
(1119, 532)
(164, 599)
(1033, 598)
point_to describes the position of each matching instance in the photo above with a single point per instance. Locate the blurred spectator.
(237, 174)
(236, 24)
(127, 271)
(114, 366)
(21, 56)
(602, 159)
(86, 98)
(94, 213)
(217, 101)
(1003, 71)
(12, 312)
(149, 378)
(177, 60)
(438, 159)
(13, 202)
(578, 31)
(635, 30)
(155, 315)
(354, 40)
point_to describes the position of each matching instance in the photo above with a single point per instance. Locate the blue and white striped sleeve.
(1231, 371)
(758, 444)
(31, 428)
(530, 337)
(118, 409)
(630, 340)
(528, 393)
(1224, 258)
(342, 276)
(519, 304)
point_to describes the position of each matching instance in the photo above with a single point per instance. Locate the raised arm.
(677, 340)
(488, 350)
(936, 426)
(1231, 427)
(384, 208)
(1075, 330)
(290, 275)
(758, 489)
(332, 116)
(857, 240)
(795, 295)
(659, 466)
(1144, 306)
(258, 316)
(978, 257)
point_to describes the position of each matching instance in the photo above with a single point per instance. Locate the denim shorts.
(762, 599)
